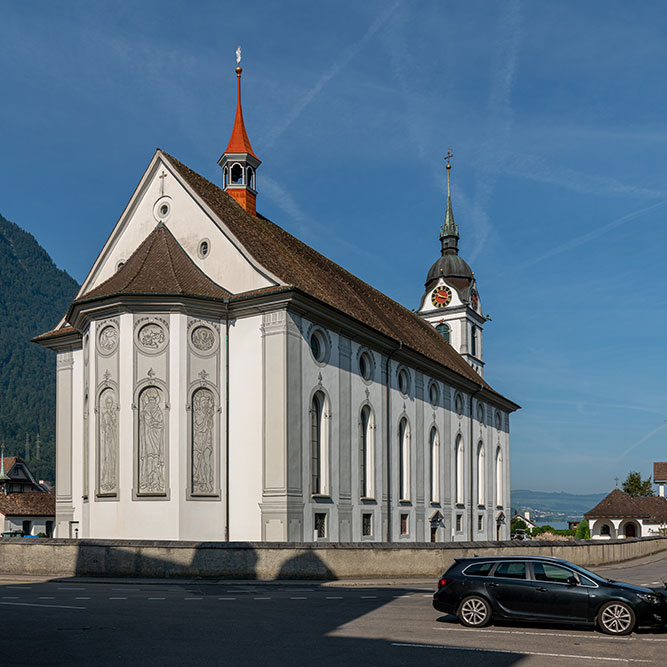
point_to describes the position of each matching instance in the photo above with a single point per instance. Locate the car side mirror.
(573, 580)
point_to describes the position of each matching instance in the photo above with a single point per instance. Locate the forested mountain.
(34, 295)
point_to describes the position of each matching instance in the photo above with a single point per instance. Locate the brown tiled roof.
(28, 504)
(10, 462)
(660, 471)
(619, 505)
(297, 264)
(54, 333)
(158, 266)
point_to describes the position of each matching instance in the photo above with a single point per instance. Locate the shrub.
(583, 531)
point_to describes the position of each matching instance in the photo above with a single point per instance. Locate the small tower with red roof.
(239, 162)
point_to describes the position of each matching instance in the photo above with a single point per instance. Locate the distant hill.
(34, 295)
(548, 506)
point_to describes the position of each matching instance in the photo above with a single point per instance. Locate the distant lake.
(559, 525)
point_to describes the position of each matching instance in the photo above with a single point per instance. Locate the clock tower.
(451, 302)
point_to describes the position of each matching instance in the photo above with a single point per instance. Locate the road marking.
(369, 597)
(20, 588)
(261, 598)
(117, 598)
(70, 588)
(226, 598)
(82, 598)
(157, 598)
(656, 583)
(334, 597)
(10, 597)
(45, 597)
(430, 595)
(403, 596)
(537, 634)
(298, 598)
(191, 598)
(122, 589)
(49, 606)
(500, 650)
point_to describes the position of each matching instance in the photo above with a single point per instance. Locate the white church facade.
(218, 379)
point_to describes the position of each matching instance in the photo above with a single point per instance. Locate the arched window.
(434, 442)
(481, 477)
(473, 341)
(225, 177)
(367, 453)
(499, 477)
(237, 173)
(250, 177)
(318, 445)
(404, 459)
(605, 529)
(459, 471)
(443, 330)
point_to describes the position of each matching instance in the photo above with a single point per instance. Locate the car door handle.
(541, 589)
(494, 584)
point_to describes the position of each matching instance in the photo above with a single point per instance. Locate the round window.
(403, 381)
(317, 346)
(164, 209)
(204, 248)
(365, 366)
(433, 393)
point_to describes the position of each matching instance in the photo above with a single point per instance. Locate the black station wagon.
(541, 589)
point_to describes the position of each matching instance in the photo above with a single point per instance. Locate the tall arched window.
(459, 471)
(318, 445)
(404, 459)
(225, 177)
(250, 180)
(499, 477)
(473, 340)
(443, 330)
(481, 477)
(434, 442)
(367, 453)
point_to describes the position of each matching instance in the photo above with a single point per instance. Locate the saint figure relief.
(203, 411)
(108, 444)
(151, 441)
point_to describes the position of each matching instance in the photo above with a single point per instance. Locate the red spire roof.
(239, 142)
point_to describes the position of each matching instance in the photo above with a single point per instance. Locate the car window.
(550, 572)
(478, 569)
(585, 581)
(512, 570)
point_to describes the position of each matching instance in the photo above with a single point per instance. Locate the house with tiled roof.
(26, 506)
(619, 515)
(218, 379)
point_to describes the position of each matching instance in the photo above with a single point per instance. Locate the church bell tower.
(239, 162)
(451, 301)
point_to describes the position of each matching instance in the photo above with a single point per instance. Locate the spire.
(449, 232)
(239, 142)
(239, 161)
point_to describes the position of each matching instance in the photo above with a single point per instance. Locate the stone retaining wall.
(268, 561)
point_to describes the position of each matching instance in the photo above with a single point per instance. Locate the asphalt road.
(121, 622)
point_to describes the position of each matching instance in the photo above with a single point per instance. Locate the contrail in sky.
(350, 53)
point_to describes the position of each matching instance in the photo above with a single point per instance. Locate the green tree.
(635, 486)
(517, 524)
(583, 531)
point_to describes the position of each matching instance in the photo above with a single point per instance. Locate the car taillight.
(443, 582)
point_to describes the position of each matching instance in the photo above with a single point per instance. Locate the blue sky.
(556, 116)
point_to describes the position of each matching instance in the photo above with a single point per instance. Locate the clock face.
(474, 299)
(441, 297)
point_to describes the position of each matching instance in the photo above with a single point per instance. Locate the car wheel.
(474, 611)
(616, 618)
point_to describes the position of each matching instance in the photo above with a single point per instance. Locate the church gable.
(163, 197)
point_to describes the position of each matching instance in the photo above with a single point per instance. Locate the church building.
(218, 379)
